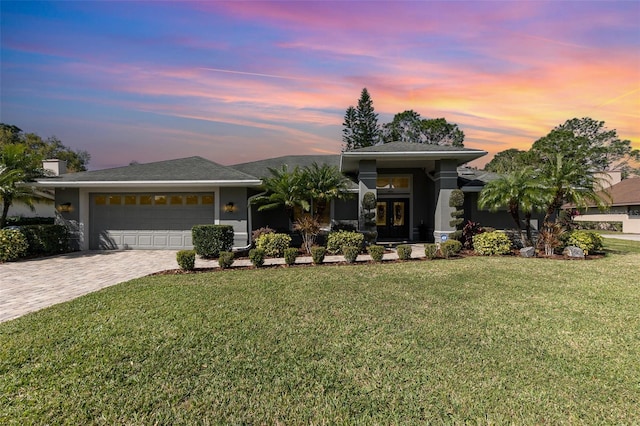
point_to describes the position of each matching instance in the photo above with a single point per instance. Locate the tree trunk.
(527, 224)
(5, 211)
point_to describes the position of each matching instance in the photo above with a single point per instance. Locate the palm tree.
(18, 167)
(518, 191)
(569, 181)
(284, 189)
(323, 184)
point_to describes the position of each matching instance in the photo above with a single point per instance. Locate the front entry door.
(392, 218)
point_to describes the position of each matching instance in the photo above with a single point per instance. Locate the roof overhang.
(349, 161)
(146, 183)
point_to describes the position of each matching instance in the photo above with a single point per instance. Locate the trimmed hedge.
(290, 255)
(431, 251)
(13, 245)
(350, 253)
(404, 251)
(225, 260)
(257, 257)
(337, 240)
(46, 239)
(376, 253)
(186, 259)
(492, 243)
(273, 244)
(210, 240)
(317, 254)
(450, 247)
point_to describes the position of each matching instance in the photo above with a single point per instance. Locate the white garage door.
(147, 221)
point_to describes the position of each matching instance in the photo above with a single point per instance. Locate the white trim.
(146, 183)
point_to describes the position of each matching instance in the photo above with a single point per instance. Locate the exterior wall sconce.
(65, 208)
(230, 207)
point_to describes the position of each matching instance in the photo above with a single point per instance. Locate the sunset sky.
(237, 81)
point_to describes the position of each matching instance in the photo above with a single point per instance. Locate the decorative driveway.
(29, 285)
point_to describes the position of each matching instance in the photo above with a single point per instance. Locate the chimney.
(55, 167)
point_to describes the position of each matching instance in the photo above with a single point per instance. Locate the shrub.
(450, 247)
(492, 243)
(22, 221)
(309, 229)
(550, 237)
(226, 259)
(273, 244)
(470, 230)
(376, 253)
(210, 240)
(290, 255)
(46, 239)
(337, 240)
(589, 242)
(186, 259)
(317, 254)
(257, 233)
(404, 251)
(13, 245)
(350, 253)
(431, 251)
(256, 256)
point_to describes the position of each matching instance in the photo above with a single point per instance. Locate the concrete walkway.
(29, 285)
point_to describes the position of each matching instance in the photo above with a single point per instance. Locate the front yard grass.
(478, 340)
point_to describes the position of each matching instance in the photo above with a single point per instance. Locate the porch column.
(367, 180)
(446, 180)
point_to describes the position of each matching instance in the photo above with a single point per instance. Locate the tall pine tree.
(361, 124)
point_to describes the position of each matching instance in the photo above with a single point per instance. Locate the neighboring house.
(155, 205)
(624, 197)
(44, 207)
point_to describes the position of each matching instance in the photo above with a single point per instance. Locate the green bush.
(450, 247)
(492, 243)
(588, 241)
(186, 259)
(376, 253)
(46, 239)
(404, 251)
(22, 221)
(317, 254)
(210, 240)
(350, 253)
(430, 251)
(225, 260)
(290, 255)
(273, 244)
(13, 245)
(337, 240)
(256, 256)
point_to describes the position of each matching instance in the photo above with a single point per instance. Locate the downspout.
(249, 222)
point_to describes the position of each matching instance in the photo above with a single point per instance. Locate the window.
(130, 200)
(160, 200)
(100, 200)
(146, 200)
(207, 199)
(393, 183)
(191, 200)
(115, 200)
(175, 200)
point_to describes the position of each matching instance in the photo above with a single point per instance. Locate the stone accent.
(528, 252)
(573, 251)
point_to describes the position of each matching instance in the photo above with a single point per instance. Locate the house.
(155, 205)
(624, 197)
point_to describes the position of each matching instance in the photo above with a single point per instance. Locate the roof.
(408, 154)
(261, 168)
(625, 193)
(179, 172)
(472, 180)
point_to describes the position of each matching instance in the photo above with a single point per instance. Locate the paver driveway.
(30, 285)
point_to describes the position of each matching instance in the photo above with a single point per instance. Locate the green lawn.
(478, 340)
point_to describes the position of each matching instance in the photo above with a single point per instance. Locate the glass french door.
(392, 218)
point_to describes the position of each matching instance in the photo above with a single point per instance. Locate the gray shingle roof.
(182, 169)
(261, 168)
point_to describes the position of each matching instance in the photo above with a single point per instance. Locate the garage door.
(147, 221)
